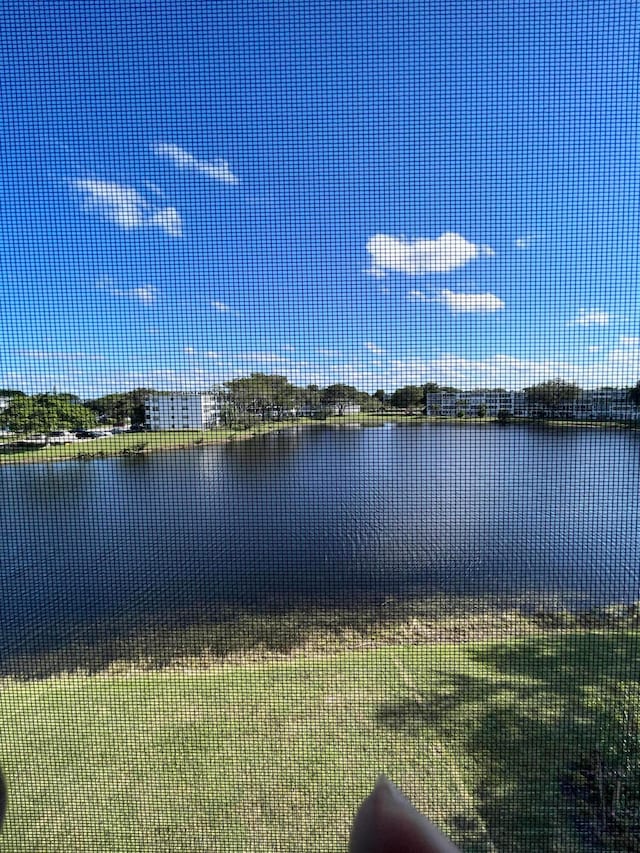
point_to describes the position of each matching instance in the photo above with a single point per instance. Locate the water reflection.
(321, 516)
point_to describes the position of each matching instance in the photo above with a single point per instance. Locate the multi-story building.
(450, 403)
(600, 404)
(183, 410)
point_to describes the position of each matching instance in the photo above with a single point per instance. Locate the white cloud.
(447, 252)
(189, 350)
(146, 293)
(417, 296)
(212, 354)
(126, 207)
(629, 341)
(91, 376)
(169, 220)
(590, 317)
(470, 302)
(122, 205)
(221, 306)
(217, 169)
(374, 348)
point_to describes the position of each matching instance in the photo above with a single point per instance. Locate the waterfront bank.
(141, 443)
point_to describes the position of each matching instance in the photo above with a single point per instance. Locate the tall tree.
(43, 413)
(339, 393)
(118, 408)
(261, 393)
(408, 397)
(552, 396)
(634, 395)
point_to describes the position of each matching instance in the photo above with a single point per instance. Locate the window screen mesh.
(319, 460)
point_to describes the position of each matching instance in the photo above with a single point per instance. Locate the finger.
(386, 822)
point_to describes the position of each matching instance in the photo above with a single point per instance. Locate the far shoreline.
(127, 445)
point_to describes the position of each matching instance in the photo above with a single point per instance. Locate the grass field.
(275, 754)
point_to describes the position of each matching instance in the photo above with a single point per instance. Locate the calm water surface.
(324, 515)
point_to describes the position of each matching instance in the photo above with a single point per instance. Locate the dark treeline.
(255, 394)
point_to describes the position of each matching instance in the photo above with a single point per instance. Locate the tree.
(482, 411)
(633, 395)
(339, 393)
(550, 398)
(43, 413)
(431, 388)
(408, 397)
(263, 394)
(119, 408)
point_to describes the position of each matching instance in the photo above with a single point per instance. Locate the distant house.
(342, 407)
(314, 410)
(180, 410)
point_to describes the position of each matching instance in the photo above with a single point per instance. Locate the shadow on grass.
(154, 640)
(158, 639)
(518, 721)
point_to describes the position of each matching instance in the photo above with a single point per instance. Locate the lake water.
(326, 516)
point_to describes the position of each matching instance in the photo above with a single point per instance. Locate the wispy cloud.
(417, 257)
(222, 307)
(127, 207)
(629, 341)
(169, 220)
(417, 296)
(146, 293)
(261, 357)
(590, 317)
(374, 348)
(478, 303)
(60, 356)
(525, 241)
(217, 169)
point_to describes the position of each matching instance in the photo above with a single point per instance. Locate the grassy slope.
(275, 755)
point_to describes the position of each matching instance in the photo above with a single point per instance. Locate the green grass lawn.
(134, 442)
(276, 754)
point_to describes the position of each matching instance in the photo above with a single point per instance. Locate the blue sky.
(376, 193)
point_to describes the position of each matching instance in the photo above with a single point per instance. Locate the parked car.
(84, 433)
(61, 436)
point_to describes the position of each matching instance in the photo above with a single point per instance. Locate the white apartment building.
(183, 410)
(449, 403)
(600, 404)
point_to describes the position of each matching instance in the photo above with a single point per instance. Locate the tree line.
(254, 394)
